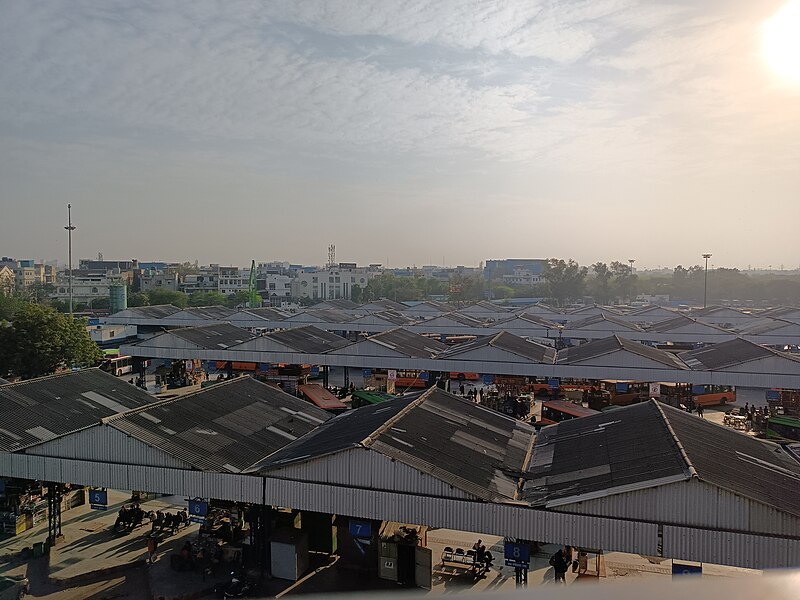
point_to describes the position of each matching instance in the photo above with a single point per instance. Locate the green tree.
(599, 286)
(566, 280)
(356, 293)
(240, 298)
(625, 283)
(138, 299)
(39, 341)
(9, 304)
(466, 288)
(161, 296)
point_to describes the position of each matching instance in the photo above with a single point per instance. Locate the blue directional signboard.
(488, 379)
(367, 373)
(423, 376)
(554, 383)
(517, 554)
(679, 569)
(198, 509)
(360, 529)
(98, 499)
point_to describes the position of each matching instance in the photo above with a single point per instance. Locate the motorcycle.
(237, 587)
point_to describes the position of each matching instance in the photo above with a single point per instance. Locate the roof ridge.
(370, 439)
(52, 376)
(681, 449)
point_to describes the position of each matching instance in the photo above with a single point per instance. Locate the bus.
(710, 395)
(555, 411)
(117, 365)
(410, 379)
(624, 393)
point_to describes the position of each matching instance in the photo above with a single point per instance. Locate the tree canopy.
(38, 340)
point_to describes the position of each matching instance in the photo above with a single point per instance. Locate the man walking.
(700, 410)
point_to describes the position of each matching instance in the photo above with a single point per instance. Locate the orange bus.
(464, 376)
(710, 395)
(409, 379)
(555, 411)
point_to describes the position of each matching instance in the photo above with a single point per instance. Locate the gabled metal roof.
(344, 431)
(473, 448)
(457, 318)
(264, 312)
(211, 337)
(595, 309)
(615, 343)
(329, 315)
(407, 342)
(768, 327)
(337, 304)
(781, 312)
(383, 304)
(3, 381)
(309, 339)
(602, 317)
(225, 427)
(208, 313)
(46, 408)
(390, 317)
(680, 320)
(505, 341)
(153, 312)
(727, 354)
(739, 463)
(601, 453)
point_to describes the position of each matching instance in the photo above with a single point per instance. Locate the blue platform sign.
(621, 388)
(488, 379)
(698, 389)
(517, 554)
(773, 395)
(423, 376)
(367, 373)
(680, 569)
(360, 529)
(553, 383)
(98, 499)
(198, 509)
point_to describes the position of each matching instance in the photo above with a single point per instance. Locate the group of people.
(566, 557)
(483, 559)
(474, 394)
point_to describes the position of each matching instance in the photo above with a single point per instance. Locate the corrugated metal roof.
(409, 343)
(329, 315)
(505, 341)
(36, 410)
(383, 304)
(321, 397)
(226, 427)
(392, 317)
(309, 339)
(592, 309)
(615, 343)
(781, 312)
(337, 304)
(473, 448)
(213, 337)
(459, 318)
(264, 312)
(679, 321)
(603, 317)
(343, 431)
(627, 447)
(728, 354)
(742, 464)
(3, 381)
(210, 312)
(155, 312)
(765, 326)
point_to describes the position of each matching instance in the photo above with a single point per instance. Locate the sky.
(404, 132)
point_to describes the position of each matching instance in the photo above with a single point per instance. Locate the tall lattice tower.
(332, 255)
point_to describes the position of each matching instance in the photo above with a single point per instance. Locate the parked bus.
(710, 395)
(624, 393)
(555, 411)
(118, 365)
(464, 376)
(410, 379)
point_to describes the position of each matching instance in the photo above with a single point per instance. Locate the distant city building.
(332, 282)
(7, 280)
(28, 273)
(88, 285)
(205, 280)
(510, 270)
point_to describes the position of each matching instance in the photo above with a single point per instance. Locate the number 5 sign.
(98, 499)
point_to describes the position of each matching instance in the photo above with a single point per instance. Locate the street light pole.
(70, 228)
(705, 282)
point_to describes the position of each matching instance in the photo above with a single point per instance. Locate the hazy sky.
(408, 131)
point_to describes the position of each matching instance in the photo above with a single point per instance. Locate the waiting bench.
(458, 557)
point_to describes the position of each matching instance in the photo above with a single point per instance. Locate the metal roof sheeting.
(727, 354)
(212, 337)
(228, 426)
(508, 342)
(309, 339)
(614, 343)
(408, 343)
(321, 397)
(41, 409)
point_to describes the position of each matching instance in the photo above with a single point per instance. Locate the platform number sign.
(198, 509)
(98, 499)
(517, 554)
(360, 529)
(680, 569)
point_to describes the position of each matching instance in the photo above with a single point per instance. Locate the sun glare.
(782, 41)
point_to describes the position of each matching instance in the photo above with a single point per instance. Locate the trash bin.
(39, 549)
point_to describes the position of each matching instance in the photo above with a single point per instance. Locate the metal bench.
(458, 558)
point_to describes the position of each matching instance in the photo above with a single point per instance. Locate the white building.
(87, 286)
(521, 276)
(332, 282)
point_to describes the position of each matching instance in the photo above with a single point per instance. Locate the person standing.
(152, 544)
(559, 563)
(700, 410)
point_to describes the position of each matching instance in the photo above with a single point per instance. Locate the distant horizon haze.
(412, 133)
